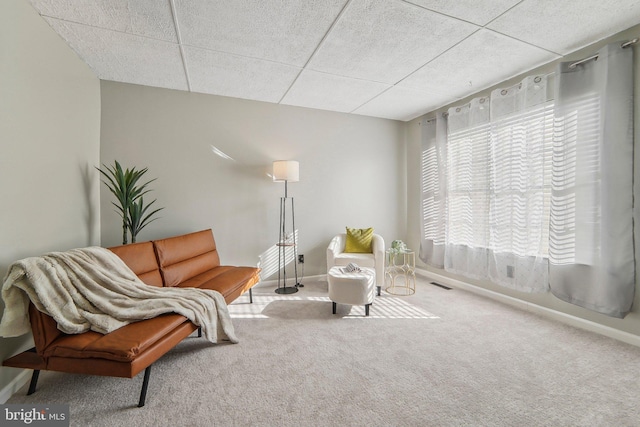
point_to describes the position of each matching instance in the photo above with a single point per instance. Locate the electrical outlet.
(510, 271)
(300, 259)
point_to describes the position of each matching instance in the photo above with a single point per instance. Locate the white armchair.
(337, 256)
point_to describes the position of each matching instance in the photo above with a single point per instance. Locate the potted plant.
(124, 184)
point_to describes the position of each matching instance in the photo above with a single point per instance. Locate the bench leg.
(34, 381)
(250, 296)
(334, 308)
(200, 332)
(366, 309)
(145, 384)
(379, 287)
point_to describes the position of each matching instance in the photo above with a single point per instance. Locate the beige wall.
(352, 169)
(631, 323)
(49, 134)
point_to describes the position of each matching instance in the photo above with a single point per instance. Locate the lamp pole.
(286, 170)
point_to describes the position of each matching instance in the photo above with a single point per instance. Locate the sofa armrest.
(336, 246)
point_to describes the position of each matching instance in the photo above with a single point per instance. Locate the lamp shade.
(286, 170)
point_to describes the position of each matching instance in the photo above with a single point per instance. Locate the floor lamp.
(286, 171)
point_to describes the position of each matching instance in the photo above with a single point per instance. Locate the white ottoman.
(352, 288)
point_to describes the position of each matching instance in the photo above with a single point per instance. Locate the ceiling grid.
(395, 59)
(182, 53)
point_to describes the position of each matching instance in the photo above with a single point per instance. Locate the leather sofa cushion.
(184, 257)
(141, 259)
(128, 369)
(226, 280)
(123, 344)
(237, 277)
(184, 271)
(197, 281)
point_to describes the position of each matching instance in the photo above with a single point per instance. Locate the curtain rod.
(595, 57)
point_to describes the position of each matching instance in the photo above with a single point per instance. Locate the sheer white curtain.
(520, 184)
(591, 244)
(499, 186)
(468, 156)
(433, 186)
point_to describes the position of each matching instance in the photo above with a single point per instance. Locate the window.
(520, 182)
(498, 179)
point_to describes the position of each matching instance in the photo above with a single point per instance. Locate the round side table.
(400, 273)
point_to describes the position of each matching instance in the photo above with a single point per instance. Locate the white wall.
(352, 169)
(49, 134)
(631, 323)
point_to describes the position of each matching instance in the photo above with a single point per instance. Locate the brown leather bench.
(190, 260)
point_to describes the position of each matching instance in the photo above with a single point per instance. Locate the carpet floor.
(437, 358)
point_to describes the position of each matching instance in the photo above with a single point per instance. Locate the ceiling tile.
(286, 31)
(328, 92)
(384, 41)
(477, 63)
(124, 57)
(565, 26)
(401, 103)
(149, 18)
(478, 12)
(237, 76)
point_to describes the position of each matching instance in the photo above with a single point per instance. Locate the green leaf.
(124, 185)
(137, 218)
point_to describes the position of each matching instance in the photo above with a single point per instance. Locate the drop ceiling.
(395, 59)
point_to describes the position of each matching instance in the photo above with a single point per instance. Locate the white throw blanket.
(93, 289)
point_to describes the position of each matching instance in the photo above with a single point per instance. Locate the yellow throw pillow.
(359, 240)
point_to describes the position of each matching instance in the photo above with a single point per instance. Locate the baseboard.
(535, 308)
(14, 385)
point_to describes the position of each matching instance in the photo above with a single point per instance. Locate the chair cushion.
(361, 260)
(359, 240)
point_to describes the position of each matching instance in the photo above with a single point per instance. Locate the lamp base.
(287, 290)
